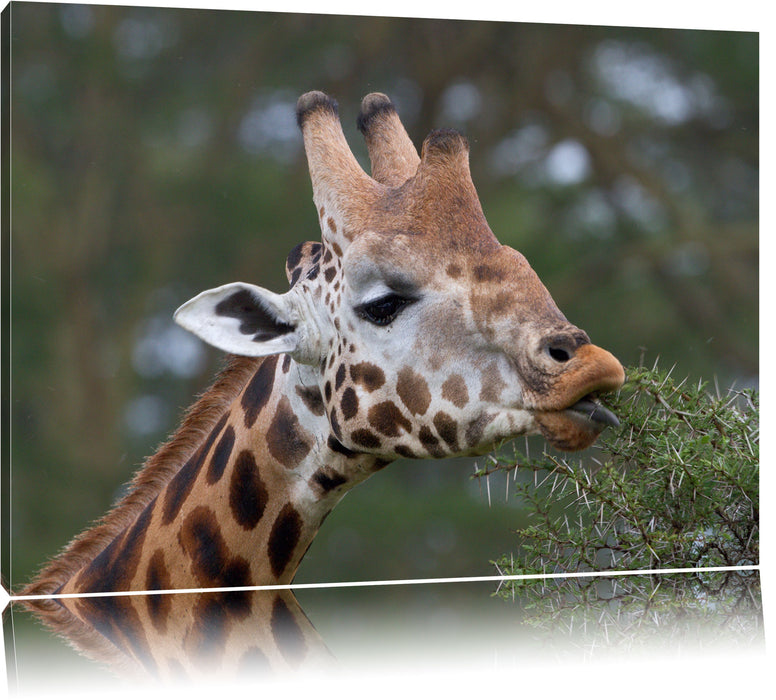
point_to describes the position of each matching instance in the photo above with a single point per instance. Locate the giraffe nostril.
(559, 354)
(562, 346)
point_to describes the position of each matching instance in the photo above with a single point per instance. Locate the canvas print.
(447, 326)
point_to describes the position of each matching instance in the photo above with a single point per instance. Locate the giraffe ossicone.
(408, 331)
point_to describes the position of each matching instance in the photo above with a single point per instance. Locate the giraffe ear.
(241, 319)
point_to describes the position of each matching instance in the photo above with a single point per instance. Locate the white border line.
(393, 582)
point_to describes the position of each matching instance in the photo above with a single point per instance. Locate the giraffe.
(192, 635)
(408, 331)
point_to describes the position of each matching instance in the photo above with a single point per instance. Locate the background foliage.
(155, 154)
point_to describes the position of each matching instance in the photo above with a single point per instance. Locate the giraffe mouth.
(577, 426)
(590, 408)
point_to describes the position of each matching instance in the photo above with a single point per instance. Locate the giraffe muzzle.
(570, 415)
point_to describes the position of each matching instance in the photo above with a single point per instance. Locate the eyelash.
(382, 311)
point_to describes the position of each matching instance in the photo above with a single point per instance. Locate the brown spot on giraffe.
(158, 579)
(327, 479)
(181, 484)
(447, 428)
(283, 539)
(115, 567)
(259, 390)
(247, 492)
(455, 391)
(453, 270)
(387, 418)
(349, 403)
(339, 378)
(212, 565)
(404, 451)
(312, 398)
(413, 391)
(367, 375)
(294, 258)
(430, 442)
(221, 456)
(334, 421)
(366, 438)
(200, 537)
(288, 442)
(476, 428)
(336, 446)
(302, 260)
(487, 273)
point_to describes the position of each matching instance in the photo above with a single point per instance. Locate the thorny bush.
(675, 486)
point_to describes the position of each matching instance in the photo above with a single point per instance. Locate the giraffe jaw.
(576, 427)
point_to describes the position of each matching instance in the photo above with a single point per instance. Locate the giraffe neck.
(247, 504)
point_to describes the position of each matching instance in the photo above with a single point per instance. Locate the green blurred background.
(155, 154)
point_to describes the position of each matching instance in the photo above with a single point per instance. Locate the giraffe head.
(425, 336)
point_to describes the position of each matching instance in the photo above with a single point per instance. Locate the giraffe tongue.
(594, 411)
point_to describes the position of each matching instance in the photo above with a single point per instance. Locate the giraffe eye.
(384, 310)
